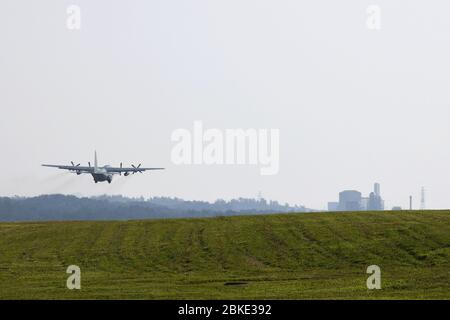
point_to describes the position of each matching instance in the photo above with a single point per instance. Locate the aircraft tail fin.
(95, 160)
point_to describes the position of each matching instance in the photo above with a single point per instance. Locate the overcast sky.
(354, 106)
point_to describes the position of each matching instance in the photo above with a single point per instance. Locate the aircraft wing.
(71, 168)
(129, 170)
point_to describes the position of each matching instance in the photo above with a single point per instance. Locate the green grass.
(292, 256)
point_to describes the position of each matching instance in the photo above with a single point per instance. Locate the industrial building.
(352, 200)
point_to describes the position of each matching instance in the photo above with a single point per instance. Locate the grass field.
(292, 256)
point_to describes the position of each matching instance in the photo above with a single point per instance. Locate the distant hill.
(65, 208)
(290, 256)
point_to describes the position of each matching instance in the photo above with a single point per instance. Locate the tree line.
(67, 207)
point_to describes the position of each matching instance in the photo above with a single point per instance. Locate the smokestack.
(422, 199)
(376, 189)
(410, 202)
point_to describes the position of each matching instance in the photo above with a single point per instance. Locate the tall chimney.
(422, 199)
(376, 189)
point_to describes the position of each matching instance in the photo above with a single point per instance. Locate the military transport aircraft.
(104, 173)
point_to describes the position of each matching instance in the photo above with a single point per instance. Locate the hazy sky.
(353, 105)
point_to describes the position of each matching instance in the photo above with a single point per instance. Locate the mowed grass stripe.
(317, 255)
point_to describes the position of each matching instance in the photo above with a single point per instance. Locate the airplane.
(101, 174)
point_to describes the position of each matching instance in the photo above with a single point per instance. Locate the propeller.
(73, 165)
(120, 172)
(89, 163)
(137, 168)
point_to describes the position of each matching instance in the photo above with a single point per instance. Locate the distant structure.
(260, 196)
(375, 202)
(364, 203)
(410, 202)
(396, 208)
(352, 200)
(376, 189)
(422, 199)
(333, 206)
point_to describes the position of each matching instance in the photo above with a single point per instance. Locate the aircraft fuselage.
(101, 175)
